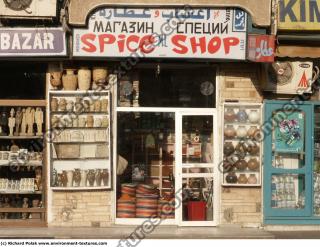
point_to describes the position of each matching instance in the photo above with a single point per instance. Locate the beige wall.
(240, 205)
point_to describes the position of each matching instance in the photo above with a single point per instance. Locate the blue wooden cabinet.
(291, 133)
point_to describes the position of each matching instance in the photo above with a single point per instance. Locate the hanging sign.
(261, 48)
(32, 42)
(299, 15)
(176, 33)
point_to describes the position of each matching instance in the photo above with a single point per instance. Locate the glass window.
(169, 87)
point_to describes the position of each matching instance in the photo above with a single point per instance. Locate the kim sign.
(172, 33)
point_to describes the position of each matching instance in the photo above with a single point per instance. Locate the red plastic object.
(196, 211)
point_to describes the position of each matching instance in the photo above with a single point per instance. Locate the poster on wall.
(261, 48)
(169, 33)
(32, 42)
(289, 132)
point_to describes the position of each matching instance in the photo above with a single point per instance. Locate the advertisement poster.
(261, 48)
(289, 132)
(172, 33)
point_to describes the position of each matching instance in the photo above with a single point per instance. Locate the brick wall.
(78, 209)
(240, 205)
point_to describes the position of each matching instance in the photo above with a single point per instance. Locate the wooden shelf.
(31, 163)
(22, 102)
(80, 188)
(89, 92)
(21, 137)
(80, 159)
(78, 113)
(81, 128)
(22, 192)
(83, 143)
(22, 210)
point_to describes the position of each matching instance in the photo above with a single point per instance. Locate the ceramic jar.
(35, 203)
(242, 179)
(104, 105)
(228, 148)
(227, 166)
(231, 178)
(99, 74)
(83, 175)
(55, 121)
(252, 131)
(253, 164)
(69, 80)
(252, 179)
(70, 178)
(242, 116)
(84, 78)
(97, 122)
(86, 105)
(241, 149)
(78, 106)
(97, 106)
(76, 177)
(82, 122)
(241, 165)
(98, 177)
(90, 121)
(105, 177)
(62, 104)
(253, 116)
(253, 148)
(241, 132)
(229, 131)
(105, 122)
(92, 106)
(75, 122)
(91, 177)
(64, 178)
(229, 115)
(54, 104)
(69, 106)
(55, 79)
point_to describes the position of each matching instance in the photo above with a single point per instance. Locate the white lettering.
(16, 42)
(37, 41)
(48, 39)
(5, 41)
(25, 45)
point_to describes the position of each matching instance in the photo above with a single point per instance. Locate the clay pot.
(241, 165)
(229, 131)
(242, 116)
(104, 105)
(97, 106)
(35, 203)
(241, 132)
(100, 75)
(84, 78)
(83, 182)
(78, 106)
(69, 80)
(252, 131)
(62, 104)
(241, 149)
(228, 148)
(90, 121)
(229, 115)
(253, 148)
(242, 179)
(55, 121)
(254, 116)
(76, 177)
(54, 104)
(86, 105)
(82, 122)
(252, 179)
(55, 79)
(91, 177)
(253, 164)
(75, 122)
(105, 177)
(98, 177)
(64, 178)
(105, 122)
(227, 166)
(231, 178)
(70, 178)
(69, 106)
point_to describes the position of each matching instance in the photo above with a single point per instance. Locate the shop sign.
(35, 42)
(299, 15)
(261, 48)
(171, 33)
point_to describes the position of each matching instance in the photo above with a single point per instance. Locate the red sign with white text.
(261, 48)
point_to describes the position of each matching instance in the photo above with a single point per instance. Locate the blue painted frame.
(283, 215)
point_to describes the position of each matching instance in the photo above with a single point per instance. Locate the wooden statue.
(23, 123)
(11, 122)
(18, 121)
(30, 120)
(39, 120)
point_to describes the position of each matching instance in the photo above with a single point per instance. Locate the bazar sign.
(176, 33)
(261, 48)
(32, 42)
(299, 15)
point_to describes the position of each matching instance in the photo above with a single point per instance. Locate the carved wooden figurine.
(39, 120)
(23, 123)
(18, 121)
(11, 122)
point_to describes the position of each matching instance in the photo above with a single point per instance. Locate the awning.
(295, 51)
(260, 11)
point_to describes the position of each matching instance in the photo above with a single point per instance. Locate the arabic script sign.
(24, 42)
(299, 15)
(261, 48)
(176, 33)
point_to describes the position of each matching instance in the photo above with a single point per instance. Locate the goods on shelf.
(241, 144)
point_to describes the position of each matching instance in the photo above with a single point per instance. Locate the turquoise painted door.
(287, 159)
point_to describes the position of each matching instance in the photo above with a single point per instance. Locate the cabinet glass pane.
(288, 161)
(288, 191)
(316, 168)
(197, 136)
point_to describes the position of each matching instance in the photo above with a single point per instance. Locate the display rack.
(79, 152)
(242, 144)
